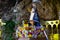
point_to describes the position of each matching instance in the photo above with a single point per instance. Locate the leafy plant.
(9, 29)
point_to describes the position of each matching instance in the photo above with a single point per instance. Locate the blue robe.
(36, 19)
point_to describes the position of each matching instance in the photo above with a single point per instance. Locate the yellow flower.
(55, 36)
(19, 34)
(0, 33)
(42, 28)
(29, 35)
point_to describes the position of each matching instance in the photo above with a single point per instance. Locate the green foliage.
(9, 37)
(9, 30)
(9, 27)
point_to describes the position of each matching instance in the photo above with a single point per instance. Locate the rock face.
(6, 5)
(47, 10)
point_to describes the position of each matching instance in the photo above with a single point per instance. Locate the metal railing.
(52, 28)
